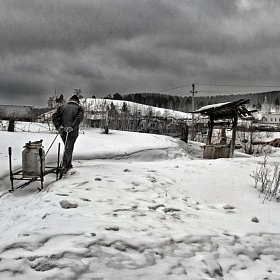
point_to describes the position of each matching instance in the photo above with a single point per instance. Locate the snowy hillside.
(97, 105)
(93, 104)
(137, 206)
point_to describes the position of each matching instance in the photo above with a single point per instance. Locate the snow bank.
(139, 206)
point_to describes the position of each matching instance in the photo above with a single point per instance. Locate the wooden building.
(22, 113)
(224, 116)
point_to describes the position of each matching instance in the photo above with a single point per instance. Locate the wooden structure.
(22, 113)
(39, 165)
(223, 115)
(14, 113)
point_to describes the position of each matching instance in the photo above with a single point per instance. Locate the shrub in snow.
(268, 178)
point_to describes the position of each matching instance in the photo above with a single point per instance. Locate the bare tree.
(78, 92)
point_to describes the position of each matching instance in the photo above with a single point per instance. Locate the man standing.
(66, 120)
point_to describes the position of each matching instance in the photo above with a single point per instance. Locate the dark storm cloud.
(108, 46)
(22, 92)
(84, 72)
(73, 25)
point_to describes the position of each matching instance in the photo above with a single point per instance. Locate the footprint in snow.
(114, 228)
(85, 199)
(62, 194)
(230, 209)
(126, 170)
(98, 179)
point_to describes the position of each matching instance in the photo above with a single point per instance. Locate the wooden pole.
(234, 129)
(11, 172)
(210, 131)
(193, 92)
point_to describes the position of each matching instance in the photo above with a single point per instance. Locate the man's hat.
(75, 98)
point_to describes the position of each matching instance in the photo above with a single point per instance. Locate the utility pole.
(193, 92)
(78, 92)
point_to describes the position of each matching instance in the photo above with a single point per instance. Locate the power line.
(173, 93)
(232, 91)
(203, 91)
(174, 88)
(216, 85)
(220, 85)
(246, 86)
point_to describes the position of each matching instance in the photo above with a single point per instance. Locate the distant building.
(266, 108)
(269, 115)
(22, 113)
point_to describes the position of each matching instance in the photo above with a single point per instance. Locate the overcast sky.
(128, 46)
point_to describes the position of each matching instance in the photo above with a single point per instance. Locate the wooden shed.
(225, 116)
(17, 112)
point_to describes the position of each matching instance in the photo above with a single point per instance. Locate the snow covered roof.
(226, 110)
(212, 106)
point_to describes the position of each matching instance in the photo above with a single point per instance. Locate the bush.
(268, 179)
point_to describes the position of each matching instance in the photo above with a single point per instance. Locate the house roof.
(227, 110)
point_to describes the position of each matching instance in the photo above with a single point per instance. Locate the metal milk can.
(33, 159)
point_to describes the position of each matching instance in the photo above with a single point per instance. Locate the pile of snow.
(137, 206)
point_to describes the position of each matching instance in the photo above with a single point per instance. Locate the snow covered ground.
(142, 206)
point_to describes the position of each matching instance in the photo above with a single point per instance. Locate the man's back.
(70, 114)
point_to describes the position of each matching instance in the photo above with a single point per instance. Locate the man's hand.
(61, 130)
(68, 129)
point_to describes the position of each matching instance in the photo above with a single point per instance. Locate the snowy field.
(142, 206)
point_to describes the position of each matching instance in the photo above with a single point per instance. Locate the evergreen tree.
(138, 98)
(109, 96)
(277, 101)
(117, 96)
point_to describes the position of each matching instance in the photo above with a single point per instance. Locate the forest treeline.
(184, 104)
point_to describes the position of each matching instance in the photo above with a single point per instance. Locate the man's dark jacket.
(69, 114)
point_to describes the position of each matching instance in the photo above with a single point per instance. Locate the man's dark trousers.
(68, 150)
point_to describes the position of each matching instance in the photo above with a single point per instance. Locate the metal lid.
(33, 145)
